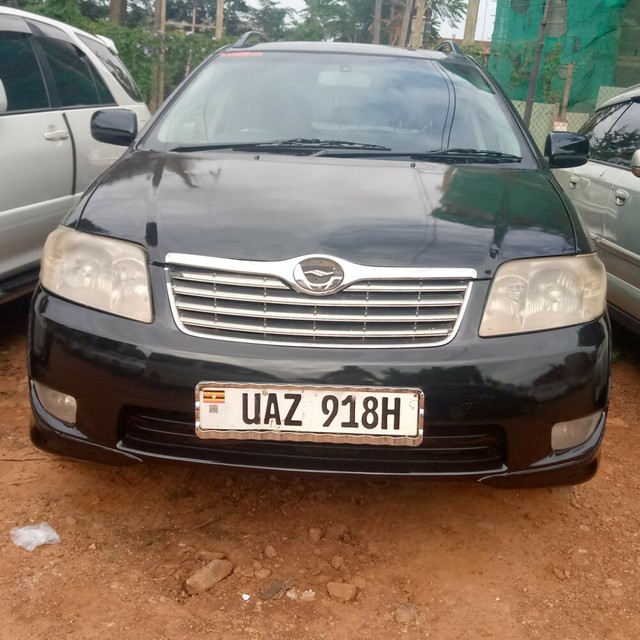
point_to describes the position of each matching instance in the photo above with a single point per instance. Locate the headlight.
(546, 293)
(110, 275)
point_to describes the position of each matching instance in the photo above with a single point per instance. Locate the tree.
(337, 20)
(63, 10)
(271, 19)
(118, 11)
(352, 20)
(182, 11)
(451, 11)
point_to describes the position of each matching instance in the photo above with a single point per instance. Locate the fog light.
(59, 405)
(565, 435)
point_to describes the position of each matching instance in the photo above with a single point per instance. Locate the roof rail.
(243, 41)
(448, 46)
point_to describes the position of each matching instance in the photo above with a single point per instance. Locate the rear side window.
(623, 138)
(77, 81)
(612, 132)
(115, 66)
(20, 73)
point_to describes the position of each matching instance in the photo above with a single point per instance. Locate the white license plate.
(356, 415)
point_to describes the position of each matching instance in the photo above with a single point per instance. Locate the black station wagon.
(332, 258)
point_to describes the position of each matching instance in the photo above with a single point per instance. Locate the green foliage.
(138, 47)
(95, 9)
(453, 11)
(331, 20)
(67, 11)
(352, 20)
(476, 52)
(521, 58)
(271, 19)
(549, 73)
(182, 11)
(310, 30)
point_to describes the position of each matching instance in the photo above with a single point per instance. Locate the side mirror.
(635, 163)
(3, 98)
(564, 150)
(114, 126)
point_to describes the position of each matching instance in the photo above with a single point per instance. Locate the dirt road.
(424, 560)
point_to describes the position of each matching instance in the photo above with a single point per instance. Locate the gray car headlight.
(106, 274)
(545, 293)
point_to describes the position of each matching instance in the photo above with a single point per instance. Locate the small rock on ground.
(208, 556)
(315, 534)
(342, 591)
(276, 588)
(405, 614)
(205, 578)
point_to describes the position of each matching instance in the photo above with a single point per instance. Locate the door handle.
(621, 196)
(58, 134)
(573, 182)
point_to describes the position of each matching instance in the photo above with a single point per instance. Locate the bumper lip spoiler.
(52, 440)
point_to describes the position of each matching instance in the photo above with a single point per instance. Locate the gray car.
(53, 79)
(606, 192)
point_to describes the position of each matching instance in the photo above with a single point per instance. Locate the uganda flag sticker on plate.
(213, 396)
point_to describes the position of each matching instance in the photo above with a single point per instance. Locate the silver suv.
(606, 192)
(53, 78)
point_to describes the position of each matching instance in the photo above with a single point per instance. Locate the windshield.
(405, 105)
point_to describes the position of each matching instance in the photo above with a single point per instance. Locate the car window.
(20, 73)
(623, 138)
(406, 104)
(597, 129)
(115, 66)
(78, 83)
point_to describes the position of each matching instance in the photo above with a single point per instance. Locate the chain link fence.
(544, 116)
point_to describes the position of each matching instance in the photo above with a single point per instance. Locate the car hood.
(369, 211)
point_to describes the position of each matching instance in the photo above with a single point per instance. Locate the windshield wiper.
(330, 144)
(315, 146)
(467, 155)
(303, 144)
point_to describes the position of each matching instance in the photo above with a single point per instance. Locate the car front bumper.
(490, 403)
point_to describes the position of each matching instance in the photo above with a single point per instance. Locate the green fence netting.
(583, 33)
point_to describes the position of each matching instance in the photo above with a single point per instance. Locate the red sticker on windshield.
(241, 54)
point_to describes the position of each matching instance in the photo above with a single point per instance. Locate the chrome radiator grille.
(377, 312)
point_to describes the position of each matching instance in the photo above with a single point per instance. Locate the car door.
(36, 153)
(589, 186)
(620, 243)
(80, 92)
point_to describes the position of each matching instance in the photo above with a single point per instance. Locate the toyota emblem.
(319, 276)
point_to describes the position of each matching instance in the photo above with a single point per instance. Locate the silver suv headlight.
(545, 293)
(106, 274)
